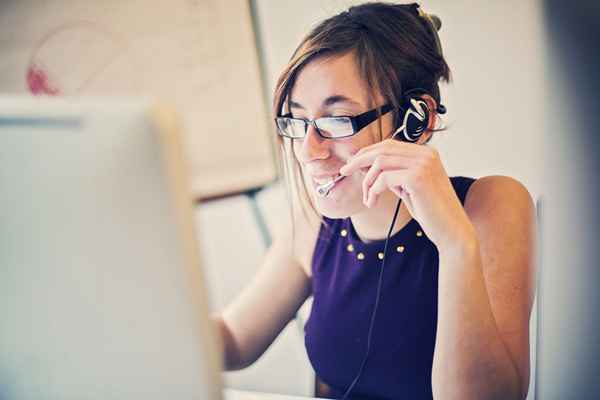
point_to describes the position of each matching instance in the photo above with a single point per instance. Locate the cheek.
(296, 152)
(346, 149)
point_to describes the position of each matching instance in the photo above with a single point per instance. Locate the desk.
(230, 394)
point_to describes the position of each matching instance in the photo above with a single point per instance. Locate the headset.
(416, 112)
(414, 116)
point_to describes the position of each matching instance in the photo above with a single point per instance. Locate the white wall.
(494, 113)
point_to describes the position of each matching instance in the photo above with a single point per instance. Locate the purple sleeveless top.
(345, 274)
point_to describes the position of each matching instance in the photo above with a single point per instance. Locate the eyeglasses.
(328, 127)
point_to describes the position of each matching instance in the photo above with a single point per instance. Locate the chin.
(335, 208)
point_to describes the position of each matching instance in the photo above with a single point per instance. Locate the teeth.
(322, 181)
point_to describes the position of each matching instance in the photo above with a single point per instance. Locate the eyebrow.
(331, 100)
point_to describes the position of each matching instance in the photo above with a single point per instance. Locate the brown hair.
(396, 50)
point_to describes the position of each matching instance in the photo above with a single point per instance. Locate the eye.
(340, 112)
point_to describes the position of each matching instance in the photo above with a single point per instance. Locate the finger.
(367, 159)
(406, 200)
(386, 180)
(380, 164)
(387, 147)
(391, 144)
(397, 190)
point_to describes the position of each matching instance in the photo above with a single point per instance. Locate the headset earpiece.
(414, 121)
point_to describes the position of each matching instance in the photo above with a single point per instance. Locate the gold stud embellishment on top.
(361, 256)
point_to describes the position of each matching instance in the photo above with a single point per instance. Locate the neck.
(374, 223)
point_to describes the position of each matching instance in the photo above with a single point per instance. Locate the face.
(329, 87)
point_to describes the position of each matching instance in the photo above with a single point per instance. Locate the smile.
(323, 180)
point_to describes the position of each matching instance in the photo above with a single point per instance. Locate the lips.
(323, 176)
(322, 179)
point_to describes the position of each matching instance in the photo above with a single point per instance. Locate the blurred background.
(509, 103)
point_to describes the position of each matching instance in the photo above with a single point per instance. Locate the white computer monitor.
(101, 292)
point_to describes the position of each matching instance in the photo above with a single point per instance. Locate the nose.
(314, 147)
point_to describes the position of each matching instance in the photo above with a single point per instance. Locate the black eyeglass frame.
(358, 122)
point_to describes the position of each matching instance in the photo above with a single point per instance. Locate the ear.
(432, 105)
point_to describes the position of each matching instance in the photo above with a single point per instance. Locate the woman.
(440, 309)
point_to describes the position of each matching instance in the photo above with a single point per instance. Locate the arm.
(485, 280)
(256, 317)
(485, 295)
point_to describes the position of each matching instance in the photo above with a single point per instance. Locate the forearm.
(471, 361)
(232, 359)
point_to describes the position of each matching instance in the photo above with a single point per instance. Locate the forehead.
(329, 76)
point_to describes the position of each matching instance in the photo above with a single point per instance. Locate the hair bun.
(436, 21)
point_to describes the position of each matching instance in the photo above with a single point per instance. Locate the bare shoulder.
(503, 215)
(498, 197)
